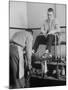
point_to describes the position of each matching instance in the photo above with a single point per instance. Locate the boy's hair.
(50, 10)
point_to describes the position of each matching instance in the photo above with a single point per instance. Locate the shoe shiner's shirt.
(23, 38)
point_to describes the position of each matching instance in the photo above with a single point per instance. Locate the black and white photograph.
(37, 44)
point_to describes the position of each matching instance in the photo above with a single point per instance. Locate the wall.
(32, 14)
(18, 16)
(36, 13)
(61, 14)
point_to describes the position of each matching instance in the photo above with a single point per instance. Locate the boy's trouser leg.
(14, 66)
(39, 40)
(50, 40)
(15, 81)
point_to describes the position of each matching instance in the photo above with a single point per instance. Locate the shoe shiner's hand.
(30, 66)
(29, 72)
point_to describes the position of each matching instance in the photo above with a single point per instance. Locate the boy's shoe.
(49, 54)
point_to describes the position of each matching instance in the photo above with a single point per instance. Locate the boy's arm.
(43, 28)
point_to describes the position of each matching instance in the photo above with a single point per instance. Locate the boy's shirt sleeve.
(44, 27)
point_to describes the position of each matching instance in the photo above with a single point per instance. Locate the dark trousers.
(48, 41)
(14, 81)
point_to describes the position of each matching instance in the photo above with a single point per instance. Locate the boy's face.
(50, 15)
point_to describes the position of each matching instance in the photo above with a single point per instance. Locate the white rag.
(21, 62)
